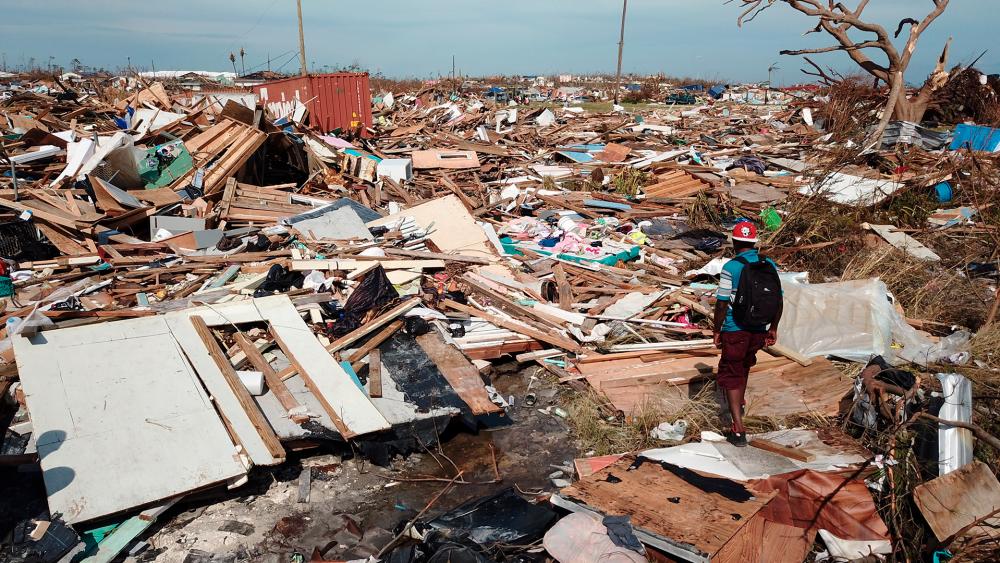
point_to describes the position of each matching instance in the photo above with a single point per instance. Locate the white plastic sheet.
(850, 320)
(954, 444)
(855, 320)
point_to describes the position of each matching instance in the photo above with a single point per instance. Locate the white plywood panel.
(352, 405)
(120, 418)
(194, 348)
(454, 228)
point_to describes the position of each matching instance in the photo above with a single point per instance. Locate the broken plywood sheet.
(903, 241)
(959, 499)
(453, 160)
(113, 430)
(329, 222)
(793, 389)
(753, 192)
(454, 230)
(692, 515)
(777, 387)
(853, 190)
(326, 378)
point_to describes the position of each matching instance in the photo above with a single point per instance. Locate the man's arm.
(722, 297)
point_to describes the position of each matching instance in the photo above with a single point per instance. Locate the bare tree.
(839, 21)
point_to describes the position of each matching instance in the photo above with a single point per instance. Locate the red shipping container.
(341, 100)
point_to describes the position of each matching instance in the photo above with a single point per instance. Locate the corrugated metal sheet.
(341, 100)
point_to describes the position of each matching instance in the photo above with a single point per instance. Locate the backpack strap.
(742, 260)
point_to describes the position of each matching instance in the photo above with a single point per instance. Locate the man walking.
(747, 311)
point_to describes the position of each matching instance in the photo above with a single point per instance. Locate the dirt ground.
(353, 505)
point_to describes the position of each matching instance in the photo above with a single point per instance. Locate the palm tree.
(243, 64)
(232, 59)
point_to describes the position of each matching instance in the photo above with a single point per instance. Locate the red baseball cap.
(745, 231)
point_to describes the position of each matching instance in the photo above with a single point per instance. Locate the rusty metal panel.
(335, 101)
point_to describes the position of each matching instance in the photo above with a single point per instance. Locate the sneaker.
(738, 439)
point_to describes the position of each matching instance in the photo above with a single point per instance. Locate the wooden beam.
(435, 256)
(311, 385)
(374, 342)
(372, 326)
(552, 338)
(562, 284)
(274, 383)
(774, 447)
(779, 350)
(375, 373)
(246, 401)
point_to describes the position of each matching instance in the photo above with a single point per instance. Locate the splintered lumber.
(311, 385)
(779, 449)
(274, 383)
(460, 373)
(218, 355)
(374, 342)
(563, 287)
(436, 256)
(372, 325)
(548, 337)
(375, 373)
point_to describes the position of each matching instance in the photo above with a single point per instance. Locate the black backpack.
(758, 295)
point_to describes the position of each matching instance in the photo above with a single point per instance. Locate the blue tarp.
(717, 91)
(976, 137)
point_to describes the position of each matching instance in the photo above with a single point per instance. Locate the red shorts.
(739, 354)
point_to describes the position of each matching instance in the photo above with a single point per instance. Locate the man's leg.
(755, 343)
(731, 374)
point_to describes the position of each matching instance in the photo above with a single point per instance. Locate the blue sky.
(409, 38)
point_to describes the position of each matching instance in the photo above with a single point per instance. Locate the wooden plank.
(257, 417)
(954, 501)
(313, 388)
(375, 341)
(437, 256)
(375, 374)
(779, 350)
(460, 373)
(274, 383)
(548, 337)
(565, 291)
(779, 449)
(372, 326)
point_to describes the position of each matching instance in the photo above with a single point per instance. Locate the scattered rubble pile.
(198, 293)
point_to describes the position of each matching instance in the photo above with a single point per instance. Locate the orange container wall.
(340, 100)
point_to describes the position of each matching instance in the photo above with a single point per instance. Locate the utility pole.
(269, 61)
(767, 92)
(621, 48)
(453, 67)
(302, 41)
